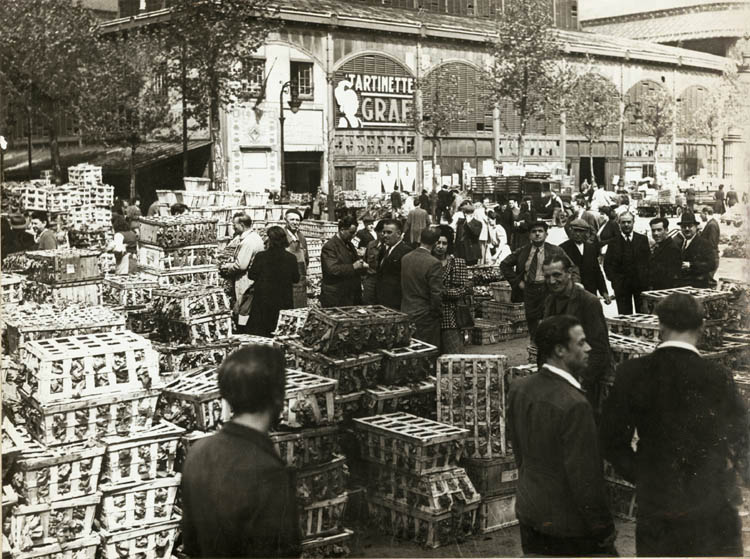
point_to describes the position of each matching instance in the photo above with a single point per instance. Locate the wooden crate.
(349, 406)
(304, 448)
(416, 399)
(715, 303)
(323, 518)
(496, 513)
(531, 352)
(492, 476)
(64, 265)
(519, 371)
(90, 418)
(336, 545)
(624, 348)
(192, 401)
(309, 400)
(91, 238)
(85, 174)
(435, 493)
(471, 394)
(195, 199)
(208, 275)
(128, 291)
(102, 195)
(175, 359)
(501, 291)
(410, 443)
(63, 368)
(621, 499)
(81, 548)
(645, 327)
(34, 197)
(84, 292)
(150, 542)
(12, 444)
(429, 530)
(224, 198)
(353, 330)
(204, 330)
(42, 322)
(12, 289)
(178, 231)
(322, 482)
(157, 259)
(485, 332)
(732, 355)
(189, 302)
(62, 198)
(353, 374)
(291, 321)
(412, 363)
(236, 341)
(49, 523)
(139, 504)
(498, 312)
(46, 475)
(739, 309)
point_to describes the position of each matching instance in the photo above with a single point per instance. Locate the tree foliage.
(654, 116)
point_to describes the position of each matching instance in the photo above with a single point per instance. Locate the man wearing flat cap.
(698, 257)
(585, 255)
(468, 230)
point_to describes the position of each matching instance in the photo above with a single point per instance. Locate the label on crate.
(509, 475)
(70, 269)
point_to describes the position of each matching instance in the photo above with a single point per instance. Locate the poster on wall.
(427, 174)
(407, 174)
(388, 171)
(368, 181)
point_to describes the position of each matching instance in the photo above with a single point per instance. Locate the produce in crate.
(84, 292)
(12, 289)
(291, 321)
(471, 394)
(184, 358)
(353, 330)
(189, 302)
(308, 400)
(409, 364)
(204, 330)
(150, 542)
(63, 265)
(304, 448)
(323, 482)
(177, 231)
(139, 504)
(81, 548)
(715, 303)
(349, 406)
(207, 275)
(12, 444)
(336, 545)
(739, 308)
(128, 291)
(624, 348)
(416, 399)
(406, 442)
(645, 327)
(64, 368)
(323, 517)
(484, 275)
(192, 401)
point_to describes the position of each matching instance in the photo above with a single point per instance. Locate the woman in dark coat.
(274, 271)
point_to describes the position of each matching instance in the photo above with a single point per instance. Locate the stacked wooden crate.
(70, 275)
(645, 327)
(416, 490)
(90, 219)
(501, 319)
(739, 309)
(471, 394)
(11, 286)
(314, 269)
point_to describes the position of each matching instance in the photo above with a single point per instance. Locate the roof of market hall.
(354, 15)
(698, 20)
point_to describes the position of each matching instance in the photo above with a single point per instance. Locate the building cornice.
(655, 14)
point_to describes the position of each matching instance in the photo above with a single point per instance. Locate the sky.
(602, 8)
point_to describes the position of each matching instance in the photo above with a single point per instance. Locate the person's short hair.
(379, 225)
(680, 312)
(119, 223)
(346, 222)
(40, 215)
(367, 219)
(551, 332)
(606, 210)
(394, 222)
(663, 220)
(244, 219)
(708, 210)
(552, 258)
(277, 237)
(619, 217)
(538, 223)
(177, 209)
(252, 378)
(429, 236)
(293, 211)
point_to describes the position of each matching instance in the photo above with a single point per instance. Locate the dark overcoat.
(592, 277)
(388, 286)
(341, 285)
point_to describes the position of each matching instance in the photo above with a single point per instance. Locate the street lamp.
(294, 104)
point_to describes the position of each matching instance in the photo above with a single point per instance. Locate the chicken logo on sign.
(348, 103)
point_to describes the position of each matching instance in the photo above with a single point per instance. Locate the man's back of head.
(680, 318)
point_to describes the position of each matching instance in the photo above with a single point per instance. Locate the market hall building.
(365, 71)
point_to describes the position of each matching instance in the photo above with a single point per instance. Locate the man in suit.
(238, 496)
(468, 230)
(523, 270)
(692, 440)
(608, 229)
(586, 256)
(664, 264)
(712, 233)
(626, 265)
(298, 247)
(341, 286)
(416, 221)
(561, 501)
(697, 255)
(373, 255)
(422, 288)
(565, 297)
(444, 201)
(365, 235)
(388, 286)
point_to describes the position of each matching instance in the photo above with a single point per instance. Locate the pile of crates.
(501, 319)
(71, 275)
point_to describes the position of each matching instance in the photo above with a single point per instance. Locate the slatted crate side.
(63, 368)
(308, 400)
(128, 291)
(237, 341)
(189, 302)
(12, 444)
(349, 406)
(48, 523)
(307, 447)
(496, 513)
(624, 348)
(732, 355)
(291, 321)
(194, 332)
(353, 374)
(157, 259)
(11, 286)
(471, 394)
(81, 548)
(323, 517)
(140, 504)
(150, 542)
(84, 292)
(183, 358)
(89, 418)
(622, 500)
(501, 291)
(56, 474)
(207, 275)
(178, 231)
(645, 327)
(492, 476)
(322, 482)
(417, 399)
(194, 403)
(715, 303)
(485, 332)
(336, 545)
(64, 265)
(408, 364)
(429, 530)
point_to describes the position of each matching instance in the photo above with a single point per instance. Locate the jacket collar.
(251, 435)
(559, 374)
(679, 345)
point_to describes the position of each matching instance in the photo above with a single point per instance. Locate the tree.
(441, 110)
(45, 46)
(654, 117)
(124, 101)
(526, 62)
(214, 40)
(593, 109)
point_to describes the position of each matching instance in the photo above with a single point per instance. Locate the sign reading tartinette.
(373, 91)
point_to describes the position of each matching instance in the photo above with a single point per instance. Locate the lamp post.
(294, 104)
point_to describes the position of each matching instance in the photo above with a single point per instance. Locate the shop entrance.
(584, 170)
(303, 170)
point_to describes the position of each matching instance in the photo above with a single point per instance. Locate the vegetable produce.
(195, 331)
(323, 482)
(177, 231)
(189, 302)
(160, 259)
(306, 447)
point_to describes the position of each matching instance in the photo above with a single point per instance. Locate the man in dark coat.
(388, 286)
(523, 270)
(561, 500)
(444, 201)
(468, 229)
(366, 235)
(697, 255)
(238, 496)
(341, 286)
(664, 264)
(608, 230)
(712, 233)
(395, 200)
(422, 288)
(626, 265)
(692, 441)
(373, 255)
(567, 298)
(585, 255)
